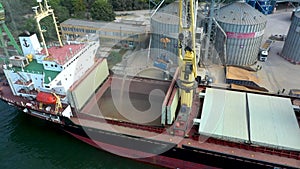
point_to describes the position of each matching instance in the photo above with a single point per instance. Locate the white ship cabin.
(35, 71)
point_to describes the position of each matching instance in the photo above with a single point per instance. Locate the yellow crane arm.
(58, 104)
(187, 63)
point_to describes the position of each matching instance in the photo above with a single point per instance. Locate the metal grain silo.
(244, 28)
(291, 48)
(164, 24)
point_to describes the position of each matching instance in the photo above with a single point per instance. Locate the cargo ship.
(174, 123)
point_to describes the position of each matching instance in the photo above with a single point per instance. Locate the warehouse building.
(110, 33)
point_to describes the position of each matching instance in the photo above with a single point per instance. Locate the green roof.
(37, 68)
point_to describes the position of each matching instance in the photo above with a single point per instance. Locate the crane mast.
(42, 11)
(186, 54)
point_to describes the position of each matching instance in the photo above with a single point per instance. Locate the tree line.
(19, 14)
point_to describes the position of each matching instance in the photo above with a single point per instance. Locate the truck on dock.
(264, 50)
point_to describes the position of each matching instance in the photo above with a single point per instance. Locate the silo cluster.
(291, 48)
(244, 28)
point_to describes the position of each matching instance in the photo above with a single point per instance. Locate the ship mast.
(42, 11)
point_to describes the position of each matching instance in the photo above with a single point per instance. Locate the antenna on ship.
(42, 11)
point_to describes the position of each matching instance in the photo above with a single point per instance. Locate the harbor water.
(27, 142)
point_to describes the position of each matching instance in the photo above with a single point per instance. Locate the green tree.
(102, 10)
(61, 12)
(89, 3)
(119, 5)
(79, 8)
(30, 25)
(68, 4)
(48, 27)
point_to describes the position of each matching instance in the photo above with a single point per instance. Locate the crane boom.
(4, 43)
(186, 54)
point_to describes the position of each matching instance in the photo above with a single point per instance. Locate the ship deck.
(189, 139)
(63, 54)
(243, 120)
(185, 137)
(22, 102)
(195, 142)
(34, 67)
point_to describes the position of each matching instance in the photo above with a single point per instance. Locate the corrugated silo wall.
(160, 29)
(243, 42)
(291, 48)
(171, 47)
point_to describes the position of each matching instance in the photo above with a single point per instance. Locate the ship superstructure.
(189, 126)
(47, 72)
(56, 72)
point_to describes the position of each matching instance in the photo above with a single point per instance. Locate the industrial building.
(111, 33)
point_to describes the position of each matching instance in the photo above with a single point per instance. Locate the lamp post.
(121, 35)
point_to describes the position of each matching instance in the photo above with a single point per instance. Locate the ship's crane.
(186, 54)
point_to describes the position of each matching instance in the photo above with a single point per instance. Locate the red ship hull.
(153, 159)
(186, 154)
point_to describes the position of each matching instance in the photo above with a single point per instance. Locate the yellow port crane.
(186, 54)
